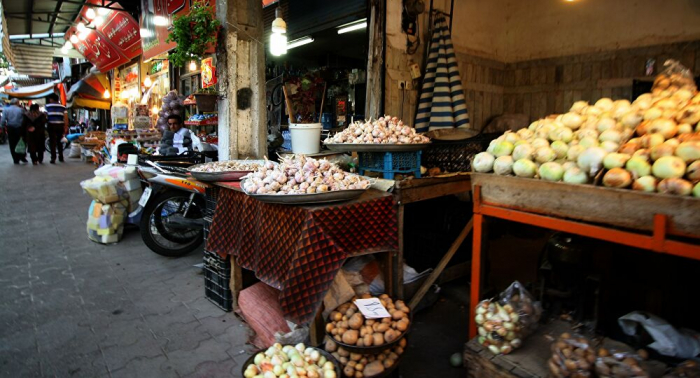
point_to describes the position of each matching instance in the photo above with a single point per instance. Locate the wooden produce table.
(530, 361)
(632, 218)
(300, 249)
(423, 189)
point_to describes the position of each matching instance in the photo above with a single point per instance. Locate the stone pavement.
(70, 307)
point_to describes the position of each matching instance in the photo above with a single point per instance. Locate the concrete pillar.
(241, 75)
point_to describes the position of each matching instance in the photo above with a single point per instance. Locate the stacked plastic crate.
(217, 270)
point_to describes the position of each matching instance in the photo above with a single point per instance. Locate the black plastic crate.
(455, 156)
(217, 290)
(211, 196)
(215, 262)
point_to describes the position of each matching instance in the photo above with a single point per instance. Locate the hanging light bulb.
(74, 39)
(83, 35)
(278, 39)
(98, 21)
(81, 27)
(106, 94)
(68, 45)
(147, 83)
(90, 13)
(102, 11)
(193, 66)
(64, 50)
(154, 111)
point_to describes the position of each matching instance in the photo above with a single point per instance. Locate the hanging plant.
(193, 33)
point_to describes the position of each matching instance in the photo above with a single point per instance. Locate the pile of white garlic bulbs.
(301, 175)
(385, 130)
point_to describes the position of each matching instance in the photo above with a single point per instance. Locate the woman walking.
(36, 121)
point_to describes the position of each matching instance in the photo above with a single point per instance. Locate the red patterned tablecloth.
(299, 249)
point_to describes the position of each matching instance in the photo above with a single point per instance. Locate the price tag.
(372, 308)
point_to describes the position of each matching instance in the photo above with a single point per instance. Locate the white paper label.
(372, 308)
(144, 196)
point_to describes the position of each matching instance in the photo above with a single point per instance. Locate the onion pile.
(227, 166)
(301, 175)
(290, 361)
(385, 130)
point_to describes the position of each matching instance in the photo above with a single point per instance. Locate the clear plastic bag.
(504, 323)
(674, 77)
(612, 364)
(572, 356)
(101, 188)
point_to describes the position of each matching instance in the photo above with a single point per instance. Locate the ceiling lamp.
(64, 50)
(299, 42)
(278, 38)
(147, 83)
(73, 39)
(356, 25)
(106, 94)
(90, 13)
(98, 21)
(68, 45)
(193, 66)
(81, 27)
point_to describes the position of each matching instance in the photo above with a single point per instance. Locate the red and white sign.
(208, 73)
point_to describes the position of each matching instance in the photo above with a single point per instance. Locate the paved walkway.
(73, 308)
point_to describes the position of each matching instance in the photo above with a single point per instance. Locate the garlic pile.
(227, 166)
(385, 130)
(301, 175)
(290, 361)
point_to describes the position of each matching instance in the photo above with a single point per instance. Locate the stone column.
(241, 73)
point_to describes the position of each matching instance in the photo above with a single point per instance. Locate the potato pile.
(365, 365)
(619, 365)
(348, 326)
(572, 356)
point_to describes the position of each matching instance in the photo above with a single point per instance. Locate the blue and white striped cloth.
(441, 101)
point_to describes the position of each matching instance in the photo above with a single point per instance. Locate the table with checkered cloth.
(299, 249)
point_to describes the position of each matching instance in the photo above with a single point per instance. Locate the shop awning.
(89, 92)
(441, 101)
(31, 92)
(35, 61)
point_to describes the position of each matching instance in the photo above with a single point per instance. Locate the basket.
(456, 155)
(390, 163)
(216, 288)
(206, 102)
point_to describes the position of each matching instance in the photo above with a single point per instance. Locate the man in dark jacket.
(13, 121)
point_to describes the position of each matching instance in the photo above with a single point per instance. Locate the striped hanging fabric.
(441, 101)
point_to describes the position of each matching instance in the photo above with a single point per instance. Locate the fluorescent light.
(160, 21)
(73, 39)
(102, 11)
(299, 42)
(358, 26)
(90, 13)
(41, 35)
(20, 36)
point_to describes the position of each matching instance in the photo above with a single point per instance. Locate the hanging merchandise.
(442, 101)
(172, 104)
(120, 116)
(142, 120)
(208, 73)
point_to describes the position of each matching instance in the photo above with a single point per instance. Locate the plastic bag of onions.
(504, 323)
(572, 356)
(612, 364)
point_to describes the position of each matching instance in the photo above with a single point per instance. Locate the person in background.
(176, 139)
(35, 122)
(13, 122)
(57, 126)
(93, 125)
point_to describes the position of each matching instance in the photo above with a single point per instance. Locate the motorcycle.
(174, 206)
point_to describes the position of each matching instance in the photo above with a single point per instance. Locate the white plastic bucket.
(306, 137)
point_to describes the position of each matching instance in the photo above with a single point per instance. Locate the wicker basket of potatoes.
(348, 327)
(357, 365)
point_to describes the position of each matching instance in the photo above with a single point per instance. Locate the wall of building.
(537, 57)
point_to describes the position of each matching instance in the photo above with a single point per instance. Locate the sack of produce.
(504, 323)
(687, 369)
(366, 365)
(612, 364)
(674, 77)
(101, 188)
(572, 356)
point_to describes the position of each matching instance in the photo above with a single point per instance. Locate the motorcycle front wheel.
(164, 238)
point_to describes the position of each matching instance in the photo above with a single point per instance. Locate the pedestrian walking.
(36, 127)
(57, 126)
(13, 122)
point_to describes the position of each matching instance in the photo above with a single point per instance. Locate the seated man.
(177, 139)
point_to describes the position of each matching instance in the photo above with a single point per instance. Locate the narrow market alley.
(70, 307)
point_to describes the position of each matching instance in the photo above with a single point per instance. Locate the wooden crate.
(616, 207)
(530, 361)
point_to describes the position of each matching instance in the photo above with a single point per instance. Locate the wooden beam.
(59, 3)
(29, 17)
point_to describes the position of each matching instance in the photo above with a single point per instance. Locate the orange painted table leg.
(476, 271)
